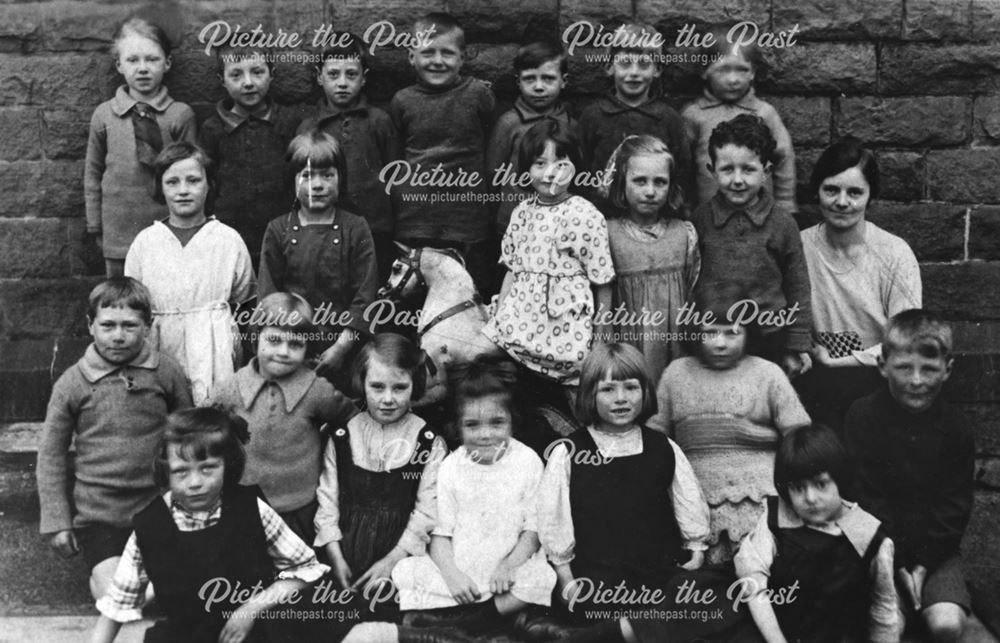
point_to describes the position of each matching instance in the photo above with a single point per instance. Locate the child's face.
(843, 198)
(618, 403)
(439, 61)
(142, 62)
(633, 74)
(914, 381)
(722, 345)
(485, 426)
(318, 189)
(540, 86)
(118, 333)
(551, 175)
(739, 173)
(185, 188)
(247, 81)
(729, 78)
(647, 184)
(196, 485)
(816, 500)
(388, 390)
(341, 80)
(280, 352)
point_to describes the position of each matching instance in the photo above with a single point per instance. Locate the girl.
(655, 251)
(126, 134)
(322, 252)
(236, 535)
(727, 411)
(484, 560)
(377, 494)
(555, 247)
(619, 503)
(195, 268)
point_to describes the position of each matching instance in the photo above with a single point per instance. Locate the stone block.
(24, 378)
(35, 249)
(65, 132)
(19, 183)
(833, 20)
(908, 122)
(935, 231)
(965, 176)
(936, 20)
(82, 26)
(515, 21)
(805, 161)
(902, 176)
(67, 80)
(357, 15)
(963, 291)
(194, 77)
(822, 68)
(985, 421)
(40, 308)
(939, 70)
(980, 552)
(492, 63)
(807, 119)
(985, 20)
(986, 119)
(20, 27)
(597, 12)
(984, 233)
(20, 133)
(975, 377)
(41, 189)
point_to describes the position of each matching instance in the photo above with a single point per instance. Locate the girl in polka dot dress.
(555, 249)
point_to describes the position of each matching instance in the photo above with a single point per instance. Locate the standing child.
(443, 121)
(111, 404)
(751, 250)
(727, 411)
(197, 270)
(204, 533)
(916, 457)
(555, 247)
(322, 252)
(655, 251)
(126, 134)
(366, 135)
(484, 562)
(729, 92)
(247, 135)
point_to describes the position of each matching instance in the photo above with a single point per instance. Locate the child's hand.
(502, 579)
(331, 359)
(796, 364)
(822, 355)
(238, 626)
(379, 572)
(64, 542)
(462, 589)
(908, 581)
(697, 560)
(341, 570)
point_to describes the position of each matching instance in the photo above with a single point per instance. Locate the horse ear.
(405, 249)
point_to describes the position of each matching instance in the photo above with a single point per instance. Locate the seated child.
(111, 404)
(915, 455)
(206, 527)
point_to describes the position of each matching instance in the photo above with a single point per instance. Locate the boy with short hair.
(366, 135)
(916, 456)
(247, 135)
(111, 404)
(442, 122)
(540, 69)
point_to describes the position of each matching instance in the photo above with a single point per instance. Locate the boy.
(442, 123)
(729, 92)
(915, 457)
(112, 404)
(632, 107)
(247, 136)
(366, 135)
(540, 69)
(751, 251)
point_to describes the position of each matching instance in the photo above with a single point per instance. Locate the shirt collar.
(93, 366)
(234, 115)
(749, 102)
(858, 526)
(722, 211)
(211, 515)
(529, 114)
(611, 104)
(123, 101)
(293, 387)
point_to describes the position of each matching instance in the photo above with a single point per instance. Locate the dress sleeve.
(508, 248)
(787, 411)
(93, 170)
(783, 175)
(593, 248)
(757, 550)
(127, 592)
(555, 518)
(327, 519)
(885, 621)
(533, 473)
(905, 287)
(447, 502)
(244, 282)
(292, 557)
(417, 533)
(690, 507)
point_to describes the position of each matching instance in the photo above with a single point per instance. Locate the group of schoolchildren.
(307, 465)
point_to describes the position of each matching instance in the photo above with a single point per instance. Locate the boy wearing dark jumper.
(915, 456)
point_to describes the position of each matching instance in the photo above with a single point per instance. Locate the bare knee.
(101, 575)
(945, 621)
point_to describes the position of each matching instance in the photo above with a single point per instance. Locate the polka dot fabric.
(555, 253)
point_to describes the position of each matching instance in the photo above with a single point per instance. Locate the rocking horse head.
(407, 276)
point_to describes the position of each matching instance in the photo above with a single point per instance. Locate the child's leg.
(101, 575)
(946, 601)
(102, 547)
(945, 621)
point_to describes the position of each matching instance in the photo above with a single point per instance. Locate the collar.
(611, 104)
(858, 525)
(233, 117)
(294, 387)
(123, 101)
(529, 114)
(93, 366)
(749, 102)
(328, 111)
(461, 81)
(722, 211)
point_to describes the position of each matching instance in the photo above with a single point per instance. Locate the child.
(322, 252)
(204, 530)
(655, 251)
(915, 455)
(377, 494)
(555, 247)
(366, 135)
(727, 411)
(126, 134)
(751, 250)
(442, 122)
(483, 560)
(285, 405)
(632, 106)
(111, 404)
(728, 93)
(247, 135)
(619, 503)
(197, 270)
(540, 68)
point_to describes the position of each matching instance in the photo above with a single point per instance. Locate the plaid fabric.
(840, 344)
(148, 139)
